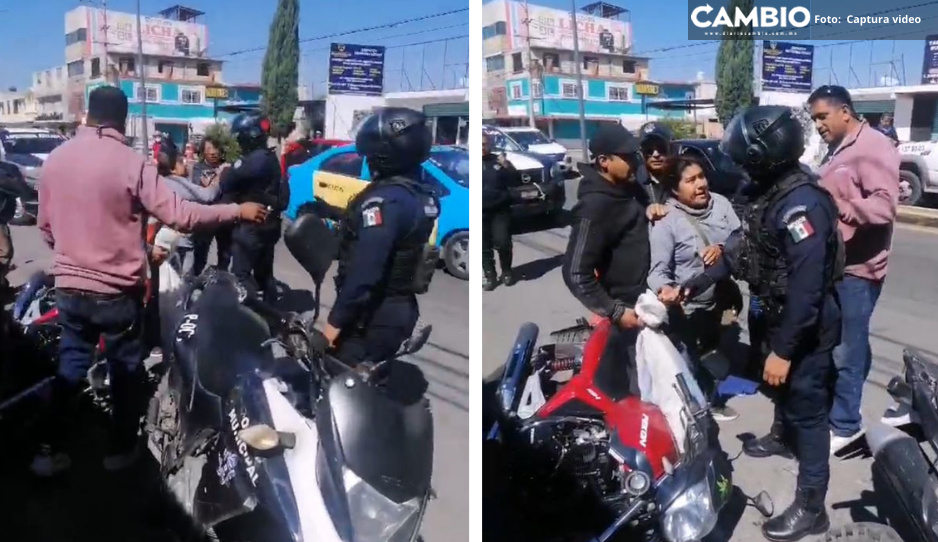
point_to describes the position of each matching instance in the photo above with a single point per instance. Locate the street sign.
(644, 88)
(216, 92)
(786, 67)
(930, 63)
(356, 69)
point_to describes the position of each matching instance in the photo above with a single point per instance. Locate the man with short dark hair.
(95, 193)
(861, 170)
(608, 255)
(886, 127)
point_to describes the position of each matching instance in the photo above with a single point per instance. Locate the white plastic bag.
(170, 279)
(658, 364)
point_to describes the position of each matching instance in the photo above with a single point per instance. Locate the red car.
(297, 152)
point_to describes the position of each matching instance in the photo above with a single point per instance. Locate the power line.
(357, 31)
(306, 52)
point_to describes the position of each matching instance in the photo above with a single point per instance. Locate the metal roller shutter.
(875, 106)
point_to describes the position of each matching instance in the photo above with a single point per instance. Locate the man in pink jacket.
(861, 170)
(95, 193)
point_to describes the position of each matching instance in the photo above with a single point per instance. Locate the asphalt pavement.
(92, 505)
(905, 316)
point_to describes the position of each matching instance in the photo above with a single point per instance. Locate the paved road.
(905, 316)
(81, 505)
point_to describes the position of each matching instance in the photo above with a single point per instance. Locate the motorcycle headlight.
(691, 516)
(376, 518)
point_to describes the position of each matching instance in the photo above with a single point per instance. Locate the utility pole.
(527, 25)
(107, 72)
(579, 80)
(143, 82)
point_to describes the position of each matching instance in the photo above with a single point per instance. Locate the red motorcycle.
(574, 439)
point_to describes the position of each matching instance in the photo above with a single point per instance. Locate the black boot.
(508, 279)
(806, 516)
(769, 445)
(490, 282)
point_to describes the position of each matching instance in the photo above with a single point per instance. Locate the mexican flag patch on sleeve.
(800, 229)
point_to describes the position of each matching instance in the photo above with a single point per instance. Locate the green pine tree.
(734, 68)
(281, 67)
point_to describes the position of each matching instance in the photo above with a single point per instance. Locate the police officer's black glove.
(696, 286)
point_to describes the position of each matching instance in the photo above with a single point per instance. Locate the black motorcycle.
(262, 436)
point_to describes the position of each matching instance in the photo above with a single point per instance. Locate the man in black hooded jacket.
(608, 255)
(497, 176)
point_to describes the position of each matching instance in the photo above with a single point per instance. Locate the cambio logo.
(764, 17)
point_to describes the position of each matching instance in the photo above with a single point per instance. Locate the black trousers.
(496, 235)
(381, 337)
(252, 251)
(203, 242)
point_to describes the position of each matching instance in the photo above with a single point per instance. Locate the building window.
(537, 88)
(128, 66)
(496, 29)
(552, 62)
(78, 36)
(76, 68)
(587, 60)
(514, 90)
(628, 66)
(190, 95)
(517, 65)
(617, 93)
(95, 67)
(152, 94)
(165, 68)
(202, 69)
(568, 89)
(495, 63)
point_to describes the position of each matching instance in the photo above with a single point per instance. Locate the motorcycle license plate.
(530, 194)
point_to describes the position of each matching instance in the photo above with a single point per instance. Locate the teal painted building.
(178, 109)
(557, 108)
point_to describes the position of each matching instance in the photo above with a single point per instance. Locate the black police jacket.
(496, 182)
(608, 255)
(257, 178)
(790, 252)
(384, 251)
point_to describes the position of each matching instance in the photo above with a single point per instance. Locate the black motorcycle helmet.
(251, 130)
(394, 140)
(765, 140)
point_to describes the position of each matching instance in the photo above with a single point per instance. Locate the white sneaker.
(48, 463)
(724, 413)
(839, 443)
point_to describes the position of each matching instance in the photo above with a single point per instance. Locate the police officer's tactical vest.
(414, 260)
(273, 192)
(761, 261)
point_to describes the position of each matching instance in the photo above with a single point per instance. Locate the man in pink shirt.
(861, 170)
(95, 194)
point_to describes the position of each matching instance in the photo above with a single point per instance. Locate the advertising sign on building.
(216, 92)
(553, 29)
(163, 37)
(930, 64)
(786, 67)
(647, 88)
(356, 69)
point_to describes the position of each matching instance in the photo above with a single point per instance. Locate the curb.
(917, 216)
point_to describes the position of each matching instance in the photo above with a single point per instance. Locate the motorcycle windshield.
(383, 441)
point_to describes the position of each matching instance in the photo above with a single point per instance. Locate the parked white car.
(530, 140)
(918, 172)
(28, 148)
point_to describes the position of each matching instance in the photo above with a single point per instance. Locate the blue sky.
(32, 36)
(658, 24)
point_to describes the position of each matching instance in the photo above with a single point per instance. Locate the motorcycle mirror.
(313, 245)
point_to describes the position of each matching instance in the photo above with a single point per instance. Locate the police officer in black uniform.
(385, 259)
(498, 176)
(791, 254)
(255, 178)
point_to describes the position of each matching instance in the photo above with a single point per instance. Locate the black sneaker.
(508, 279)
(489, 283)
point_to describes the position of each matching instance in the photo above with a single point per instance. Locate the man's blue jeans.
(853, 357)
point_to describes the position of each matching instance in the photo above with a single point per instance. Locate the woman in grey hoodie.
(688, 239)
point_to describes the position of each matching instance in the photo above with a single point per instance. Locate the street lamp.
(143, 81)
